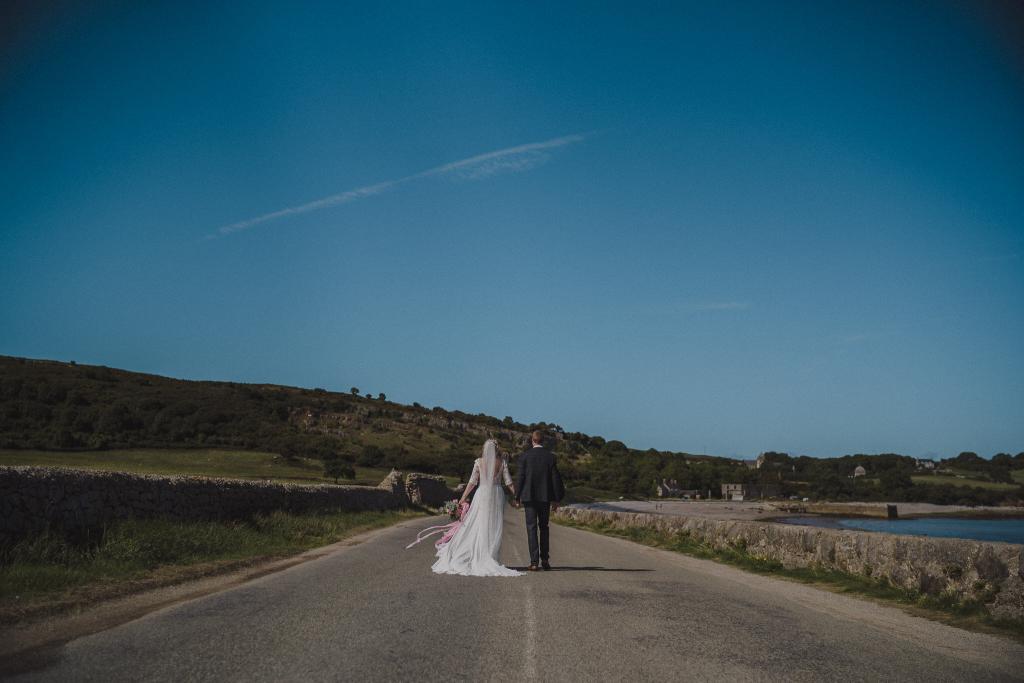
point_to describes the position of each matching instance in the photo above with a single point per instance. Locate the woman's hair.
(499, 457)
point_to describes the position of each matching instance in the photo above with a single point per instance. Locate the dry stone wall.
(395, 483)
(70, 501)
(990, 573)
(427, 489)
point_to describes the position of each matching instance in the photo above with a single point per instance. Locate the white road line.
(530, 663)
(530, 621)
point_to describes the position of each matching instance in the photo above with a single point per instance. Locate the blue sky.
(689, 227)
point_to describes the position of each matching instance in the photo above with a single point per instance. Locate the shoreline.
(766, 511)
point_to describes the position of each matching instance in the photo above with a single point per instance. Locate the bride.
(473, 550)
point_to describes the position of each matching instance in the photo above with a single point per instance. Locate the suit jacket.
(537, 477)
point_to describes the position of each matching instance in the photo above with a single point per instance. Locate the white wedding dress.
(473, 550)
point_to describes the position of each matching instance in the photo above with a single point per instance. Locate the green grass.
(929, 479)
(587, 494)
(966, 614)
(413, 438)
(49, 571)
(202, 462)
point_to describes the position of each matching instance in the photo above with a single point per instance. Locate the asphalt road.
(611, 610)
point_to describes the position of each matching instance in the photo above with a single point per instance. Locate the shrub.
(336, 468)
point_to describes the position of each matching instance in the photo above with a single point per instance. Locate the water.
(1005, 530)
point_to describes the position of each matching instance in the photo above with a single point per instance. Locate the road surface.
(612, 610)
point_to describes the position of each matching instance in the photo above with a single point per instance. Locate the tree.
(354, 391)
(335, 468)
(1000, 474)
(616, 448)
(1002, 460)
(382, 397)
(117, 418)
(829, 485)
(895, 483)
(776, 460)
(372, 456)
(968, 461)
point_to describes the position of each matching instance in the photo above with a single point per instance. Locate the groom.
(539, 489)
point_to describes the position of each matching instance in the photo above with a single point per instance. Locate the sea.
(1004, 530)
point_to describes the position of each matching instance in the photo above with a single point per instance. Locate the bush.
(336, 468)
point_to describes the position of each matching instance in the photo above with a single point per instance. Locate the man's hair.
(537, 437)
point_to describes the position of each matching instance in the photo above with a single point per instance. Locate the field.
(970, 481)
(200, 462)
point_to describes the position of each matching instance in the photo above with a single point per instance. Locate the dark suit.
(538, 484)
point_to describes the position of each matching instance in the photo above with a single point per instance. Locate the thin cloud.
(721, 306)
(507, 160)
(856, 338)
(853, 338)
(999, 258)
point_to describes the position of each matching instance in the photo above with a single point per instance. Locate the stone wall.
(395, 483)
(70, 501)
(991, 573)
(428, 489)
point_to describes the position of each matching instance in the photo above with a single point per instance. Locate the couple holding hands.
(538, 489)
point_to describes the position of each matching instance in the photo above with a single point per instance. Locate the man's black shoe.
(545, 566)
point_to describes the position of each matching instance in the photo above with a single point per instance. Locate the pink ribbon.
(447, 529)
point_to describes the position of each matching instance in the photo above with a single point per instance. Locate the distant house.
(670, 489)
(926, 464)
(748, 491)
(859, 471)
(733, 491)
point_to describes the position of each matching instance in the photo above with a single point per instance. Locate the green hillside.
(103, 417)
(56, 407)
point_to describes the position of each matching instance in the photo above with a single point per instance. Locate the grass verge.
(205, 462)
(965, 614)
(48, 574)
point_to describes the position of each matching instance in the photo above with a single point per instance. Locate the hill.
(57, 406)
(65, 406)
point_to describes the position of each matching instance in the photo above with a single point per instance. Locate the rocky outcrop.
(355, 417)
(72, 501)
(963, 570)
(427, 489)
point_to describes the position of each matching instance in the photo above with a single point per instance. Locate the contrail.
(510, 159)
